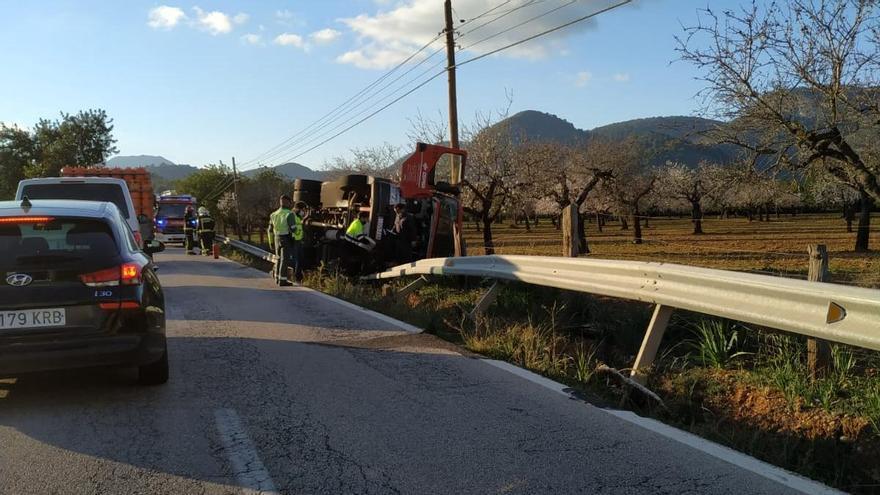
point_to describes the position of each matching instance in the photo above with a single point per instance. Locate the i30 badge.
(19, 279)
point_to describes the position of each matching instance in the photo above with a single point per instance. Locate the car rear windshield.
(79, 190)
(55, 243)
(173, 210)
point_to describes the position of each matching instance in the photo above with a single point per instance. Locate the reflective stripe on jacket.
(298, 228)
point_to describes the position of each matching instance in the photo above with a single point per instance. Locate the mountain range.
(675, 138)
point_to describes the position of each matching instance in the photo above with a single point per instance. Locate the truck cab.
(170, 210)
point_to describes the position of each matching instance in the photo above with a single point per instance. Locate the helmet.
(189, 208)
(203, 211)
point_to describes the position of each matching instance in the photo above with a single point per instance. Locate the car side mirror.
(153, 246)
(143, 219)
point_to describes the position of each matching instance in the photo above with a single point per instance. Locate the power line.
(500, 15)
(473, 59)
(305, 138)
(359, 93)
(511, 28)
(543, 33)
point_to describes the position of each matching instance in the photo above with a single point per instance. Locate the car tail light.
(126, 274)
(7, 220)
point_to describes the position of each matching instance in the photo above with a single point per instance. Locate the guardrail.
(247, 248)
(837, 313)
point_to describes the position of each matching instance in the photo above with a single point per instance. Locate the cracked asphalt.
(280, 388)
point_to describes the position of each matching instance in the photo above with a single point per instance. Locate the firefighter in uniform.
(205, 226)
(282, 225)
(189, 224)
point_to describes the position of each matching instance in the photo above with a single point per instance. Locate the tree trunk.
(864, 228)
(624, 225)
(750, 214)
(849, 214)
(697, 217)
(488, 245)
(528, 225)
(637, 228)
(646, 221)
(583, 247)
(599, 221)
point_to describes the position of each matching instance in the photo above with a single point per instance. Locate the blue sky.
(205, 81)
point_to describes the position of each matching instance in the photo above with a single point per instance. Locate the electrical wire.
(356, 95)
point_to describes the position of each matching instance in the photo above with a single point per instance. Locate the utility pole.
(455, 175)
(450, 70)
(237, 200)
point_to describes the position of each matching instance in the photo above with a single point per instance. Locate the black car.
(76, 291)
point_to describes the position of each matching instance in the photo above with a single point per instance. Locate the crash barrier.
(247, 248)
(832, 312)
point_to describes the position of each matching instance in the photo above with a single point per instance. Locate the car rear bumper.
(170, 238)
(130, 349)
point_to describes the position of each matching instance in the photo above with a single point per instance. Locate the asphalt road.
(283, 390)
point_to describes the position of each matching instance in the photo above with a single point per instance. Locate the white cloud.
(214, 22)
(390, 36)
(283, 14)
(583, 78)
(621, 77)
(290, 39)
(252, 39)
(240, 18)
(165, 17)
(325, 36)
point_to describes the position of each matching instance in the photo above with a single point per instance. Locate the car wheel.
(154, 373)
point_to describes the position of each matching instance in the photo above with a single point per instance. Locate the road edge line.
(718, 451)
(247, 468)
(406, 327)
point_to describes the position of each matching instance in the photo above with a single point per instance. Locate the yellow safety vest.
(298, 229)
(356, 228)
(278, 221)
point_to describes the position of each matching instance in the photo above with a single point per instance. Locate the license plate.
(33, 318)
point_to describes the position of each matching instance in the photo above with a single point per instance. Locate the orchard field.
(777, 247)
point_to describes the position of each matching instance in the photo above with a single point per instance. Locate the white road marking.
(406, 327)
(379, 316)
(247, 468)
(726, 454)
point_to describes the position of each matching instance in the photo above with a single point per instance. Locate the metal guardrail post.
(412, 287)
(485, 301)
(651, 342)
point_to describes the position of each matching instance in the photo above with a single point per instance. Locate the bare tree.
(798, 81)
(380, 161)
(693, 185)
(629, 188)
(491, 177)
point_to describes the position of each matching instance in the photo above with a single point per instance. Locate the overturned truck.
(430, 187)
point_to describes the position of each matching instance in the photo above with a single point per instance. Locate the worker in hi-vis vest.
(281, 227)
(356, 227)
(298, 234)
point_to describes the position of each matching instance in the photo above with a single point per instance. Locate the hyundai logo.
(19, 279)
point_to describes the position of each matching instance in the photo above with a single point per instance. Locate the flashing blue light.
(161, 221)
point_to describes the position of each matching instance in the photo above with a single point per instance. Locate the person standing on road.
(189, 224)
(281, 226)
(205, 229)
(298, 233)
(405, 232)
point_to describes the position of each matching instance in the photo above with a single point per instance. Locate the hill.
(675, 138)
(533, 125)
(121, 161)
(290, 170)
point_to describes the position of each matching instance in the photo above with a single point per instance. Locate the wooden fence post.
(570, 229)
(818, 351)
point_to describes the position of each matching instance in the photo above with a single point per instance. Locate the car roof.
(61, 180)
(59, 207)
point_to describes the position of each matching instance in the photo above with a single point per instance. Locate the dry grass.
(777, 247)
